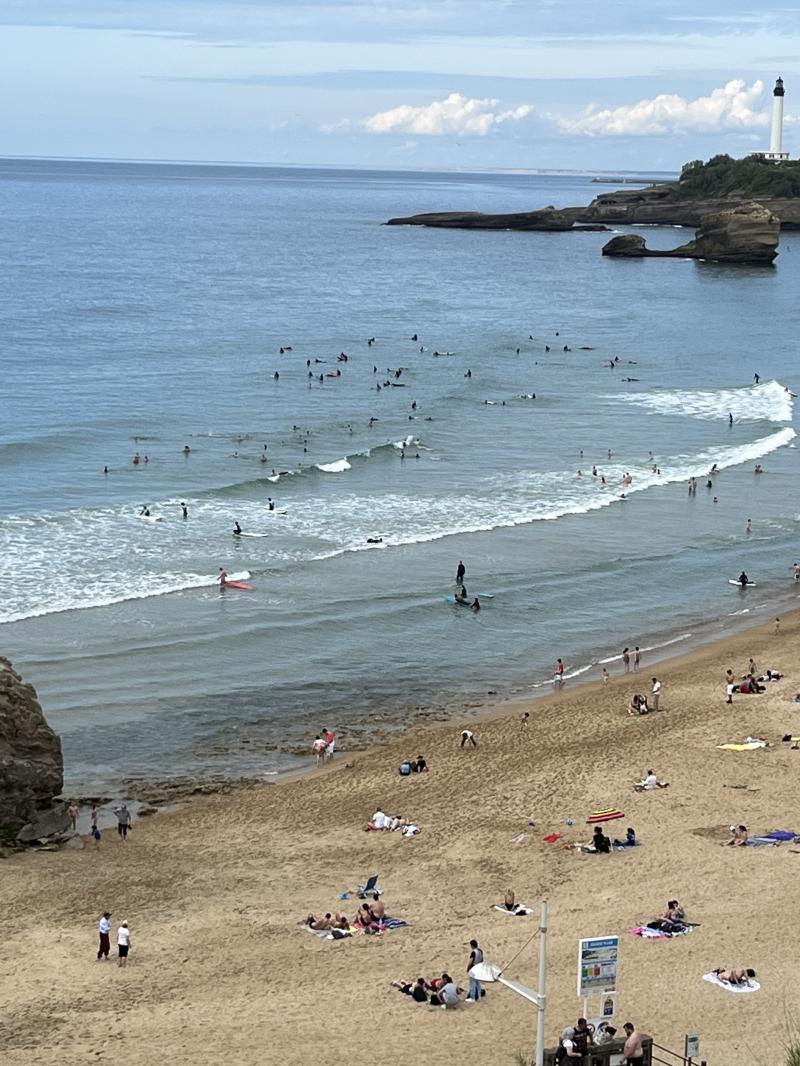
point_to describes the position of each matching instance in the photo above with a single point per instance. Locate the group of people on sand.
(381, 822)
(369, 918)
(639, 703)
(602, 844)
(444, 991)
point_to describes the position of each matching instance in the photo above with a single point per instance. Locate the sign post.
(691, 1046)
(597, 972)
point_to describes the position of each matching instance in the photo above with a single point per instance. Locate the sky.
(503, 84)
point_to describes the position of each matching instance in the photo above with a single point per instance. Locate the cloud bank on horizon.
(466, 83)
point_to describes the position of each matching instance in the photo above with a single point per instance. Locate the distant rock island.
(719, 196)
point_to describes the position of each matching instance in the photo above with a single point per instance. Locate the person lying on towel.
(742, 977)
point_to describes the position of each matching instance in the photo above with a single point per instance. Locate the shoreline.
(183, 788)
(214, 890)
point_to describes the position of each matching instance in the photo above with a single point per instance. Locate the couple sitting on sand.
(381, 821)
(672, 921)
(444, 992)
(601, 845)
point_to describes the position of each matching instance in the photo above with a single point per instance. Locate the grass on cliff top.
(749, 178)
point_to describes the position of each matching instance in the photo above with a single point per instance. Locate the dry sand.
(220, 971)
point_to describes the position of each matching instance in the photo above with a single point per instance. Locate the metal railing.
(675, 1058)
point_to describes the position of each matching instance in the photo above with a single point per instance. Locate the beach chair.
(371, 886)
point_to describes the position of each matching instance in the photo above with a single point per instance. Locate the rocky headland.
(31, 764)
(702, 189)
(746, 233)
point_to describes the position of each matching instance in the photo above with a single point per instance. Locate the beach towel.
(749, 745)
(517, 911)
(551, 838)
(656, 934)
(714, 980)
(781, 834)
(606, 815)
(393, 923)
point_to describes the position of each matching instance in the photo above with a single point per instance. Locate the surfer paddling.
(237, 529)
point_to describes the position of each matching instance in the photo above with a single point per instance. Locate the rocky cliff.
(660, 205)
(745, 233)
(31, 764)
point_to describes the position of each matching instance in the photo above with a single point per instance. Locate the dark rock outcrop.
(745, 233)
(31, 763)
(549, 220)
(660, 205)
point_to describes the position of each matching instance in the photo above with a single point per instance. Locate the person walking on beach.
(123, 821)
(468, 738)
(475, 956)
(656, 692)
(318, 748)
(104, 929)
(123, 944)
(93, 816)
(559, 676)
(626, 660)
(330, 742)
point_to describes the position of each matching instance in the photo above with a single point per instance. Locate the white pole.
(541, 986)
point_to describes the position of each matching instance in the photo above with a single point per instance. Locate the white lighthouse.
(776, 153)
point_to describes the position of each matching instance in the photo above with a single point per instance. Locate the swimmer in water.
(136, 459)
(270, 503)
(145, 511)
(476, 604)
(237, 529)
(222, 577)
(186, 449)
(184, 510)
(730, 419)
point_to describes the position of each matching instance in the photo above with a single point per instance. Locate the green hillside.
(750, 178)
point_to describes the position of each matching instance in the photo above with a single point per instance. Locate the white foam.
(105, 555)
(336, 467)
(767, 402)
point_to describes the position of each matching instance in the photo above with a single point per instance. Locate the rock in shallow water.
(746, 233)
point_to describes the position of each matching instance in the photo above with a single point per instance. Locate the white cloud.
(731, 106)
(456, 114)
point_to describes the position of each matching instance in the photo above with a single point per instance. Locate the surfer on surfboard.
(222, 577)
(744, 580)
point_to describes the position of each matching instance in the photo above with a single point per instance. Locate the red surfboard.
(238, 585)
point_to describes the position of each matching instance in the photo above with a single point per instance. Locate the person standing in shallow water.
(460, 572)
(626, 660)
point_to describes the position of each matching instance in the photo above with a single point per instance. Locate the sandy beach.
(221, 970)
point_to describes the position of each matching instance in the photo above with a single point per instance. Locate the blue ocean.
(198, 318)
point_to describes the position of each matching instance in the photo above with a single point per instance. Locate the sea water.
(143, 311)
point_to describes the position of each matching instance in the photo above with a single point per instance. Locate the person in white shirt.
(123, 943)
(468, 738)
(104, 928)
(656, 692)
(379, 820)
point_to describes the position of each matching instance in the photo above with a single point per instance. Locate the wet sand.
(220, 969)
